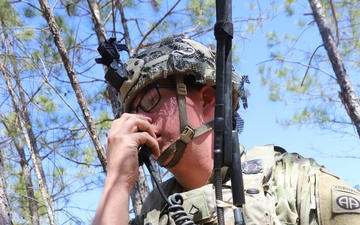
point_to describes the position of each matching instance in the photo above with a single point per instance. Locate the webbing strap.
(187, 133)
(177, 148)
(181, 96)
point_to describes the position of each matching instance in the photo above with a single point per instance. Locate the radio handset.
(144, 153)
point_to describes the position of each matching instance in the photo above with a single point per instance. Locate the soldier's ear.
(208, 99)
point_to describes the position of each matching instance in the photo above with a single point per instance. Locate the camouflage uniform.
(280, 188)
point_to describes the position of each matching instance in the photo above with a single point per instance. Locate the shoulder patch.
(337, 202)
(345, 200)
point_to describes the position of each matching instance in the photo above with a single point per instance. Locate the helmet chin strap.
(187, 133)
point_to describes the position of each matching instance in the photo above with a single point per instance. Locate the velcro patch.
(345, 200)
(199, 204)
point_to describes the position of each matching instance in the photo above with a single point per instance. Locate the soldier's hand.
(125, 136)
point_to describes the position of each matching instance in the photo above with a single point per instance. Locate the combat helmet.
(181, 58)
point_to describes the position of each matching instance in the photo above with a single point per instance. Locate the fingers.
(145, 139)
(126, 135)
(131, 123)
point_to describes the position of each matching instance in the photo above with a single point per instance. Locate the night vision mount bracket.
(116, 73)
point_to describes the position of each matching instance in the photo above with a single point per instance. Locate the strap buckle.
(187, 134)
(181, 89)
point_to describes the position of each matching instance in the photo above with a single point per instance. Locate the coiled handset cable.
(174, 201)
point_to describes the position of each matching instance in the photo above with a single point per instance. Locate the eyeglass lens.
(152, 97)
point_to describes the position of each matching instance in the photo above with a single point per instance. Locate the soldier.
(169, 101)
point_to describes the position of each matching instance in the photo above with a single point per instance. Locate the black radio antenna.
(226, 143)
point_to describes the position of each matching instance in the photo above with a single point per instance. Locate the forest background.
(56, 108)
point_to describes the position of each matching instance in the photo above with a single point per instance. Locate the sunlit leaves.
(288, 7)
(46, 103)
(203, 12)
(309, 115)
(104, 121)
(301, 23)
(29, 12)
(297, 74)
(26, 34)
(20, 189)
(7, 13)
(89, 155)
(273, 39)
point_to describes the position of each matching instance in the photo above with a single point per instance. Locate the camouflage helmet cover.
(173, 57)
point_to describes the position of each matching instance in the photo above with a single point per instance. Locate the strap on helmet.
(181, 94)
(178, 147)
(186, 132)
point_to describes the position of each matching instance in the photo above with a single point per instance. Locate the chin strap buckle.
(187, 134)
(181, 89)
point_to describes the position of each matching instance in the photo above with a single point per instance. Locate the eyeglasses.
(151, 98)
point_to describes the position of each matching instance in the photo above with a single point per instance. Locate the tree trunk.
(39, 174)
(139, 192)
(120, 6)
(5, 216)
(27, 132)
(347, 94)
(33, 208)
(90, 125)
(32, 147)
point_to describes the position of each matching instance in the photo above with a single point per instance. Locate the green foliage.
(307, 115)
(252, 26)
(130, 3)
(26, 34)
(202, 12)
(19, 201)
(288, 7)
(29, 12)
(251, 5)
(46, 103)
(235, 57)
(70, 6)
(273, 39)
(10, 122)
(89, 155)
(7, 13)
(301, 23)
(292, 77)
(59, 172)
(104, 121)
(42, 209)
